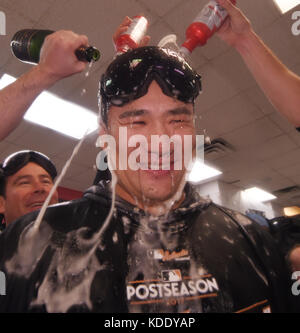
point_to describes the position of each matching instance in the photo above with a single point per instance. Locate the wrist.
(246, 42)
(44, 77)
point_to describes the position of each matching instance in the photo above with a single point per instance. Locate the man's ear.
(2, 204)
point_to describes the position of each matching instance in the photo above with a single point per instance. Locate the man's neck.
(153, 207)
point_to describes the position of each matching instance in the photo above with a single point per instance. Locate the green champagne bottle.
(26, 45)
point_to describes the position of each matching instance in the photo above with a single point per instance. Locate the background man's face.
(26, 191)
(294, 259)
(153, 114)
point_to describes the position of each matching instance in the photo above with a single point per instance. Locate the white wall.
(232, 197)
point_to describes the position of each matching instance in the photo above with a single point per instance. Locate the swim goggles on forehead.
(129, 76)
(18, 160)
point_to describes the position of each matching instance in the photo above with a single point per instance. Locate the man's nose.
(159, 139)
(39, 187)
(159, 128)
(159, 131)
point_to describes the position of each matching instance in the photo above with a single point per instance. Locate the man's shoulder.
(59, 219)
(63, 217)
(250, 229)
(236, 216)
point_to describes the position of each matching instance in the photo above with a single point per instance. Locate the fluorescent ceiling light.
(6, 80)
(291, 211)
(58, 114)
(201, 172)
(257, 194)
(286, 5)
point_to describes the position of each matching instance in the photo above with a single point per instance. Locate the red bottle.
(131, 38)
(204, 26)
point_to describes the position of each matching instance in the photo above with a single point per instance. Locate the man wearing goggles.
(26, 178)
(149, 91)
(149, 244)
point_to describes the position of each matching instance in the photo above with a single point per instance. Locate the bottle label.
(21, 42)
(137, 29)
(212, 15)
(22, 47)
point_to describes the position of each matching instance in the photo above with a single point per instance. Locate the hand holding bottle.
(236, 27)
(123, 27)
(280, 85)
(57, 60)
(57, 56)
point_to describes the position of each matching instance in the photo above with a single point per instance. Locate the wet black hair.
(129, 75)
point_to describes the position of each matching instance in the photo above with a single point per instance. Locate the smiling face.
(26, 191)
(153, 114)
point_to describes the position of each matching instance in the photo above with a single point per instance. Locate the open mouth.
(158, 173)
(35, 205)
(159, 163)
(161, 166)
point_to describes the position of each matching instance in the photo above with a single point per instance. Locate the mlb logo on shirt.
(171, 275)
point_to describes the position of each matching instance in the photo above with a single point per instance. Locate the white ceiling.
(266, 147)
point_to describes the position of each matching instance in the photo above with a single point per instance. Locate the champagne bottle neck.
(88, 53)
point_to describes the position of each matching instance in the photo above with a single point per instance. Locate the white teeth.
(37, 204)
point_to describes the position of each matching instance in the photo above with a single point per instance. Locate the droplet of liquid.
(207, 140)
(87, 73)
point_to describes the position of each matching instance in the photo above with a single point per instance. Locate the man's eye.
(24, 182)
(138, 123)
(178, 121)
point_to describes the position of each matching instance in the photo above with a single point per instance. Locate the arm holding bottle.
(57, 61)
(279, 84)
(123, 27)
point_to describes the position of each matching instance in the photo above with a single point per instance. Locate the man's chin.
(159, 195)
(33, 209)
(151, 187)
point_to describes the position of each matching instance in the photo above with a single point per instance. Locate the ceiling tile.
(6, 149)
(231, 67)
(284, 160)
(14, 22)
(296, 179)
(160, 8)
(216, 88)
(44, 140)
(253, 134)
(230, 115)
(33, 9)
(257, 97)
(260, 13)
(288, 48)
(281, 122)
(293, 170)
(18, 133)
(275, 147)
(295, 136)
